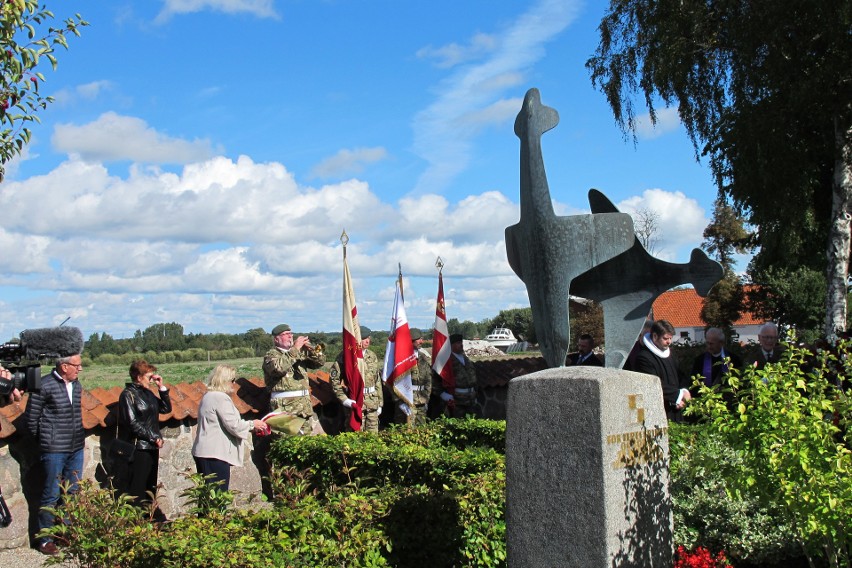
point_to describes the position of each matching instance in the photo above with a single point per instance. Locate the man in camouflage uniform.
(421, 385)
(462, 401)
(373, 397)
(285, 374)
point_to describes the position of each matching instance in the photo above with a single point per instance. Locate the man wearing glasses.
(768, 351)
(54, 416)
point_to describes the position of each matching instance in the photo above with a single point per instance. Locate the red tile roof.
(250, 397)
(682, 308)
(98, 404)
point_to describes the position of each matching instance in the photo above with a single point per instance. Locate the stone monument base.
(587, 483)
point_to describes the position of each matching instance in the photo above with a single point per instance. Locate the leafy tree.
(467, 328)
(792, 296)
(163, 337)
(723, 237)
(519, 320)
(586, 318)
(765, 90)
(259, 340)
(92, 346)
(26, 40)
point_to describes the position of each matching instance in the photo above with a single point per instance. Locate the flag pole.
(401, 294)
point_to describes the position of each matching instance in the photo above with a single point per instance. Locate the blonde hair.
(221, 377)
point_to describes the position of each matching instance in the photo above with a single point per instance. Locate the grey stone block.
(587, 481)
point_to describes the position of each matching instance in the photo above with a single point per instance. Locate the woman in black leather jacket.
(139, 422)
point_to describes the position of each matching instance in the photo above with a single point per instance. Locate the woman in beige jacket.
(221, 430)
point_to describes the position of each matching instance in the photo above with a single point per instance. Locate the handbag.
(5, 514)
(122, 450)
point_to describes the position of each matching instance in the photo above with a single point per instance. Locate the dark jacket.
(591, 361)
(671, 379)
(139, 412)
(718, 367)
(55, 420)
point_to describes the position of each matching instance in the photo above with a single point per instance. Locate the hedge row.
(431, 496)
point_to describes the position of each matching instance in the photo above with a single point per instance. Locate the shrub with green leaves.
(434, 455)
(707, 515)
(788, 428)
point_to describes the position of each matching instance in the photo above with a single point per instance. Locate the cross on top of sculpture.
(596, 256)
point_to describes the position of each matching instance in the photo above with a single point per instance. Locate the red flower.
(699, 558)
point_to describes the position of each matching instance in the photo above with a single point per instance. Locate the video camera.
(23, 358)
(26, 375)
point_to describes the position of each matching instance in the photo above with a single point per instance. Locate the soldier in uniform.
(285, 374)
(373, 396)
(421, 386)
(462, 401)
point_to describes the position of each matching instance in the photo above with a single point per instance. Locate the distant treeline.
(167, 342)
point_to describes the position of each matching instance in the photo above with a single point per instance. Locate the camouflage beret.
(365, 332)
(415, 334)
(280, 328)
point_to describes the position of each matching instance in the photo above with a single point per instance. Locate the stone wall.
(21, 478)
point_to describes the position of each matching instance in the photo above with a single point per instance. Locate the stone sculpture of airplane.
(547, 251)
(627, 285)
(593, 256)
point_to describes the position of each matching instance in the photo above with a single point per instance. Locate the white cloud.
(113, 137)
(681, 219)
(443, 130)
(87, 92)
(258, 8)
(347, 162)
(667, 121)
(453, 54)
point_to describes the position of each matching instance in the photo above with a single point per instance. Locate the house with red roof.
(682, 308)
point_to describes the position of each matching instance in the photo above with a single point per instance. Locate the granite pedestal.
(587, 481)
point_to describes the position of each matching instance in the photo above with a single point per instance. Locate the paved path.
(24, 558)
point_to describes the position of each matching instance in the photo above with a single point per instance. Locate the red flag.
(353, 358)
(441, 344)
(399, 356)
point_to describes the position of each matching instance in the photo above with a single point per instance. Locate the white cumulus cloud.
(113, 137)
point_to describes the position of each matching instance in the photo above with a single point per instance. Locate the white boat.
(501, 338)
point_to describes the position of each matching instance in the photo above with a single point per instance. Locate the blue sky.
(203, 157)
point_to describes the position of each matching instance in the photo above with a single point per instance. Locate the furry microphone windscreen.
(52, 342)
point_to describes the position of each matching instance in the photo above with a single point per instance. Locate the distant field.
(108, 376)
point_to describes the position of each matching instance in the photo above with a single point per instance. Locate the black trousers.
(220, 470)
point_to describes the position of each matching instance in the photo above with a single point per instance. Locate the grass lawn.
(107, 376)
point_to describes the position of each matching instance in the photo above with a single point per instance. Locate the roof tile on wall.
(250, 396)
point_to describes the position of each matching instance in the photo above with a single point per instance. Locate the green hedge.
(431, 496)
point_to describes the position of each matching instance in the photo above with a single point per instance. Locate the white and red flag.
(399, 355)
(441, 344)
(353, 357)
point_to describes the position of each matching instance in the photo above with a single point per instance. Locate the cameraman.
(15, 395)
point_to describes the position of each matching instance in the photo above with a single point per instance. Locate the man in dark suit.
(768, 350)
(656, 358)
(585, 354)
(712, 365)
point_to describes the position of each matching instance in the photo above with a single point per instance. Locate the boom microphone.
(52, 342)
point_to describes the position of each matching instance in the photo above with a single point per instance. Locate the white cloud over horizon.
(230, 233)
(130, 219)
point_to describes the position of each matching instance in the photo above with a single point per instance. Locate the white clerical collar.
(646, 339)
